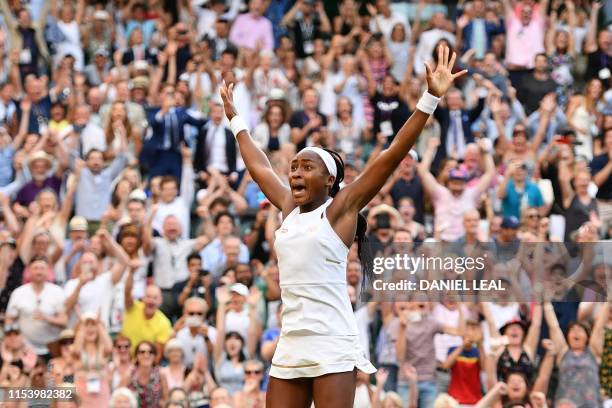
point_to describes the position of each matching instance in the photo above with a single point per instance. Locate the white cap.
(240, 289)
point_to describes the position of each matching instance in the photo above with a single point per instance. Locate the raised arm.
(357, 194)
(590, 44)
(597, 337)
(555, 331)
(533, 334)
(118, 252)
(429, 181)
(256, 161)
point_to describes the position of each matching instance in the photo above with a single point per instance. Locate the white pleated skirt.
(310, 355)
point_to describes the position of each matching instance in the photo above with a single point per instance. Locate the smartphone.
(415, 316)
(86, 271)
(193, 321)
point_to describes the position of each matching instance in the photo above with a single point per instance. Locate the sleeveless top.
(312, 268)
(506, 365)
(579, 379)
(229, 376)
(605, 369)
(577, 214)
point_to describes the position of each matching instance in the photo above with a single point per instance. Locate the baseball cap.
(100, 15)
(101, 51)
(12, 327)
(415, 156)
(138, 194)
(140, 82)
(78, 223)
(510, 222)
(9, 241)
(240, 289)
(457, 174)
(89, 316)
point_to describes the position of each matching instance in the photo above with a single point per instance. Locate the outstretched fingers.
(451, 64)
(460, 74)
(440, 55)
(446, 52)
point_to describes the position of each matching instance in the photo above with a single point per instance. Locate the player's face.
(308, 178)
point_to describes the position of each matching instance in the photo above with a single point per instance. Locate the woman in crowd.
(175, 372)
(274, 130)
(64, 363)
(578, 358)
(92, 347)
(145, 380)
(119, 128)
(121, 365)
(582, 115)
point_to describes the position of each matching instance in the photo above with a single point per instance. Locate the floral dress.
(605, 369)
(149, 395)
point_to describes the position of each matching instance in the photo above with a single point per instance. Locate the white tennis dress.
(319, 330)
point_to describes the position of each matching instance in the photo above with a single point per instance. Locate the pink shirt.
(449, 210)
(249, 30)
(523, 43)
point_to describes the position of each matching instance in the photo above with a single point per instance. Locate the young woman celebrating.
(318, 349)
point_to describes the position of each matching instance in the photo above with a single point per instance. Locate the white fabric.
(95, 297)
(428, 103)
(237, 124)
(22, 305)
(319, 333)
(327, 158)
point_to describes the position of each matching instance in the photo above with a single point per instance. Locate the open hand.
(440, 80)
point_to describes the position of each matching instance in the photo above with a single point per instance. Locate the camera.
(203, 272)
(383, 221)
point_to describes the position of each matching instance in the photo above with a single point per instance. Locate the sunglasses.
(123, 346)
(195, 313)
(533, 216)
(147, 351)
(252, 372)
(66, 342)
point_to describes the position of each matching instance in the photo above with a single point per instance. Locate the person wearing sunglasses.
(63, 361)
(193, 332)
(145, 380)
(251, 395)
(121, 365)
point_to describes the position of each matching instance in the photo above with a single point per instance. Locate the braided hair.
(363, 250)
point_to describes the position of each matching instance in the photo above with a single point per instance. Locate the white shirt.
(442, 341)
(22, 305)
(215, 144)
(170, 261)
(193, 345)
(427, 42)
(455, 140)
(386, 24)
(95, 297)
(92, 137)
(179, 207)
(238, 322)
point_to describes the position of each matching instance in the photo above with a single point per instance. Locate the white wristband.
(237, 125)
(428, 103)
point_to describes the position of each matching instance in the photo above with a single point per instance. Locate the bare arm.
(555, 331)
(590, 44)
(430, 184)
(596, 341)
(256, 161)
(533, 334)
(604, 174)
(357, 194)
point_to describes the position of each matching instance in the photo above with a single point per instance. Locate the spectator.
(38, 308)
(308, 121)
(146, 380)
(143, 321)
(517, 192)
(535, 86)
(252, 30)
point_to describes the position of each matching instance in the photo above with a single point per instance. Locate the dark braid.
(363, 250)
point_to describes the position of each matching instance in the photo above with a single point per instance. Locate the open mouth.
(298, 189)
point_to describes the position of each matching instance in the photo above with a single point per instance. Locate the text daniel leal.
(441, 284)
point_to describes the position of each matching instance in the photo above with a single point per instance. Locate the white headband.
(327, 158)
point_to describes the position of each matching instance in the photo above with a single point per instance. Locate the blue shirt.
(514, 200)
(6, 165)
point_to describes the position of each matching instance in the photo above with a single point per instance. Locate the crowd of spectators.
(137, 256)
